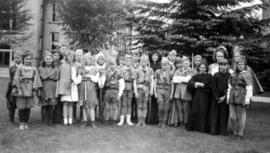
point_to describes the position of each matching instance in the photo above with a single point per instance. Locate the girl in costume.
(27, 82)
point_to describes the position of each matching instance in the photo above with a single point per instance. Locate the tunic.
(49, 77)
(219, 112)
(238, 91)
(88, 87)
(201, 99)
(27, 81)
(68, 82)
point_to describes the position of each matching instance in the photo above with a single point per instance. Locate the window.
(55, 40)
(8, 15)
(4, 55)
(54, 13)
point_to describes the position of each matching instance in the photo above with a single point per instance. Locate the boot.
(26, 126)
(84, 124)
(121, 122)
(70, 121)
(143, 122)
(11, 115)
(43, 114)
(139, 121)
(65, 121)
(21, 126)
(128, 120)
(93, 125)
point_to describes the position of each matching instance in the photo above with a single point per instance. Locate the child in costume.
(128, 73)
(88, 89)
(114, 87)
(219, 112)
(78, 64)
(67, 87)
(27, 82)
(11, 99)
(182, 94)
(102, 67)
(238, 97)
(143, 85)
(49, 75)
(162, 90)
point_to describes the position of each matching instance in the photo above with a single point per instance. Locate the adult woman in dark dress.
(201, 87)
(152, 116)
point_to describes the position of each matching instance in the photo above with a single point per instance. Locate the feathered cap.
(173, 52)
(18, 53)
(79, 51)
(128, 56)
(100, 55)
(88, 56)
(185, 58)
(165, 60)
(178, 60)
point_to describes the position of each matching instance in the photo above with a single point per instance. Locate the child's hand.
(136, 95)
(221, 99)
(171, 97)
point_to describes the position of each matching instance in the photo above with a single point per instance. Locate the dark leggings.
(24, 115)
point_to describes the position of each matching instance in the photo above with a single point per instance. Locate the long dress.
(152, 113)
(58, 111)
(201, 100)
(219, 112)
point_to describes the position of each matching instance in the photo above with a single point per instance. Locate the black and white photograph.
(135, 76)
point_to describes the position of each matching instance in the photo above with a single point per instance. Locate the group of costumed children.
(193, 95)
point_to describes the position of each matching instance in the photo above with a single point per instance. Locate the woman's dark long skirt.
(152, 113)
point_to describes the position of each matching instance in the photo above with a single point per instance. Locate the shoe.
(26, 126)
(106, 123)
(121, 122)
(128, 120)
(65, 121)
(21, 126)
(93, 125)
(84, 124)
(70, 121)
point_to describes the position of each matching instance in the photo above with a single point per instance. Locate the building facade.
(44, 33)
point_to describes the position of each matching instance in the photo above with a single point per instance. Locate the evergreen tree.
(196, 26)
(89, 23)
(14, 18)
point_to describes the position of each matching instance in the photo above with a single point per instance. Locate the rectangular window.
(55, 40)
(54, 13)
(8, 15)
(4, 58)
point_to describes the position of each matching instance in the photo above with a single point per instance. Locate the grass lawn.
(150, 139)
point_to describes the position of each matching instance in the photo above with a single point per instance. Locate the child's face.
(136, 57)
(28, 60)
(165, 66)
(122, 61)
(79, 57)
(241, 66)
(178, 65)
(143, 63)
(100, 61)
(202, 68)
(186, 63)
(219, 56)
(48, 60)
(128, 62)
(56, 57)
(17, 59)
(223, 67)
(89, 61)
(154, 57)
(237, 56)
(197, 60)
(171, 58)
(70, 58)
(112, 67)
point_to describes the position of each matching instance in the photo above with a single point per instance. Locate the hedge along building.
(43, 33)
